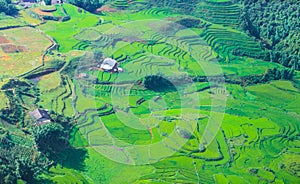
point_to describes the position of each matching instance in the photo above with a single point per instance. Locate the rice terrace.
(149, 91)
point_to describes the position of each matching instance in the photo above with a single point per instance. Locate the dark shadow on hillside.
(73, 158)
(158, 84)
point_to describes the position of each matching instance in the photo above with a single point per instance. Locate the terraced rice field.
(198, 129)
(241, 137)
(102, 108)
(231, 43)
(65, 36)
(224, 13)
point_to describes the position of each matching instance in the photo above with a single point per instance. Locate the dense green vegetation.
(50, 139)
(19, 161)
(15, 91)
(7, 7)
(208, 92)
(275, 24)
(88, 5)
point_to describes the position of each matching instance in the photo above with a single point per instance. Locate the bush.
(46, 17)
(67, 18)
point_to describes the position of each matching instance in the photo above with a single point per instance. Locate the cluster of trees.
(89, 5)
(14, 112)
(285, 58)
(51, 140)
(7, 7)
(48, 2)
(276, 24)
(276, 74)
(50, 143)
(189, 22)
(18, 161)
(15, 90)
(27, 163)
(181, 6)
(270, 74)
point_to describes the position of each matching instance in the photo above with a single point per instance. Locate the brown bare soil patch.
(106, 9)
(132, 39)
(4, 57)
(3, 40)
(40, 12)
(10, 48)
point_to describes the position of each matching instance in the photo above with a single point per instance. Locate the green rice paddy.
(131, 134)
(247, 139)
